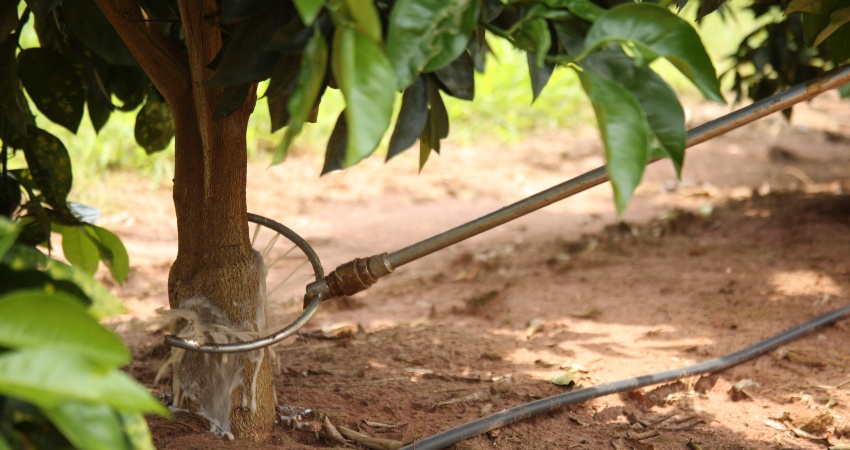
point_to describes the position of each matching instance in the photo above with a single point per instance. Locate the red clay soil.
(754, 239)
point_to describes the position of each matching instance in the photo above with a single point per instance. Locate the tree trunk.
(217, 277)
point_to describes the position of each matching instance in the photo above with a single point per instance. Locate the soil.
(754, 239)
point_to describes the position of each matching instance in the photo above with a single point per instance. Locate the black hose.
(515, 414)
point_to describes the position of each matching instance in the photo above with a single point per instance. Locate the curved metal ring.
(311, 302)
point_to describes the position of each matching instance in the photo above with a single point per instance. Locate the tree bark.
(215, 261)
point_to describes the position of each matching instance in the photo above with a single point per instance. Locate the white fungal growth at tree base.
(213, 377)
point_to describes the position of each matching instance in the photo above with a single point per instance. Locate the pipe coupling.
(351, 278)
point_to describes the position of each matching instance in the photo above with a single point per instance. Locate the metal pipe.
(595, 177)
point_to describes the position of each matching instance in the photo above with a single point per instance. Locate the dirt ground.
(754, 239)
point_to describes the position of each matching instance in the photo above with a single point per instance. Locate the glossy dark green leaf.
(663, 111)
(427, 141)
(281, 85)
(539, 75)
(411, 118)
(78, 248)
(99, 111)
(36, 319)
(311, 78)
(128, 84)
(89, 25)
(366, 19)
(365, 77)
(337, 143)
(655, 31)
(13, 102)
(625, 134)
(8, 18)
(839, 45)
(458, 78)
(308, 9)
(50, 165)
(235, 10)
(424, 36)
(48, 377)
(707, 7)
(154, 124)
(243, 60)
(437, 112)
(813, 6)
(813, 24)
(53, 85)
(89, 426)
(837, 19)
(230, 100)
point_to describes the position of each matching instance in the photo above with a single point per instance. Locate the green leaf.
(534, 37)
(813, 6)
(839, 45)
(78, 247)
(137, 431)
(425, 35)
(311, 78)
(366, 17)
(9, 232)
(13, 102)
(50, 166)
(4, 445)
(663, 111)
(308, 9)
(90, 26)
(365, 77)
(88, 426)
(337, 144)
(411, 118)
(625, 134)
(836, 20)
(154, 124)
(655, 31)
(112, 253)
(230, 100)
(8, 18)
(129, 84)
(244, 58)
(281, 85)
(458, 78)
(539, 75)
(36, 319)
(53, 85)
(235, 10)
(439, 115)
(584, 9)
(48, 377)
(103, 303)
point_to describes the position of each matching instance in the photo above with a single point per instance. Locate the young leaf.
(53, 85)
(89, 426)
(48, 377)
(308, 9)
(154, 124)
(426, 35)
(366, 17)
(411, 118)
(655, 31)
(663, 111)
(365, 77)
(311, 78)
(625, 134)
(36, 319)
(79, 249)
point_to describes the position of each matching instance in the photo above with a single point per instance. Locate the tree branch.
(160, 59)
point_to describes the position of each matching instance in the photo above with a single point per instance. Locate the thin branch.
(159, 58)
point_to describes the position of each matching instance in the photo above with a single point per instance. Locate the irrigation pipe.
(537, 407)
(360, 274)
